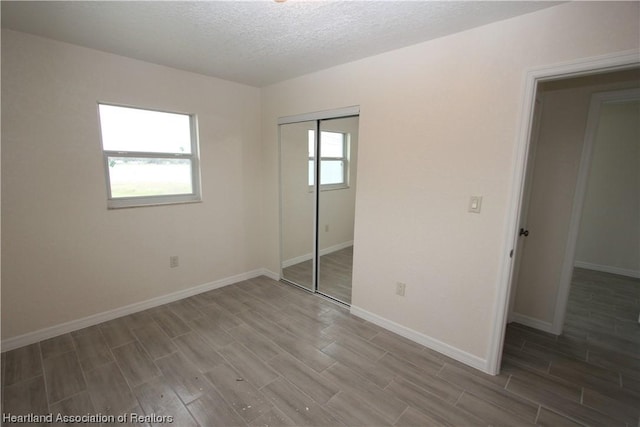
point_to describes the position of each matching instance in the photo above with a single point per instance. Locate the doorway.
(557, 178)
(317, 201)
(619, 61)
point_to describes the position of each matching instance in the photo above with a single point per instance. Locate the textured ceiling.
(253, 42)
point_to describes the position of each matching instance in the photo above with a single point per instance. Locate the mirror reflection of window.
(334, 155)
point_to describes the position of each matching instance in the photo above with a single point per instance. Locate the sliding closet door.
(336, 206)
(298, 205)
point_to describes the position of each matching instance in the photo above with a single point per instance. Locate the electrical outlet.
(326, 228)
(400, 288)
(174, 261)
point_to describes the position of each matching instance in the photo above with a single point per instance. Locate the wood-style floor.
(264, 353)
(591, 372)
(336, 269)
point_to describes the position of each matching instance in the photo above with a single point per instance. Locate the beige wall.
(65, 256)
(558, 152)
(609, 234)
(438, 123)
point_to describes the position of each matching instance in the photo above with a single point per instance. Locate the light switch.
(475, 204)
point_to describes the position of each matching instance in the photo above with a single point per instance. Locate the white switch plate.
(174, 261)
(475, 203)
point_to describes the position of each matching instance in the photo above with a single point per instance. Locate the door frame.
(595, 65)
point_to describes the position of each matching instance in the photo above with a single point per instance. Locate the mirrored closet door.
(297, 205)
(337, 205)
(317, 221)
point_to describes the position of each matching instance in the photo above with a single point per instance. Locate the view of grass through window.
(135, 177)
(148, 154)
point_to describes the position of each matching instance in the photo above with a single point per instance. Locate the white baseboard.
(432, 343)
(307, 257)
(270, 274)
(532, 322)
(336, 248)
(296, 260)
(94, 319)
(608, 269)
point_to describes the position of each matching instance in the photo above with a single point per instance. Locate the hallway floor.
(591, 372)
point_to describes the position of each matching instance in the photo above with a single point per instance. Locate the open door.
(523, 226)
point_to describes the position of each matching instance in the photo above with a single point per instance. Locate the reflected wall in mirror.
(336, 207)
(297, 210)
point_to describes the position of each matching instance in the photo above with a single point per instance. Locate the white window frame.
(165, 199)
(344, 159)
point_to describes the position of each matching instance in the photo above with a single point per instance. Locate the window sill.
(123, 203)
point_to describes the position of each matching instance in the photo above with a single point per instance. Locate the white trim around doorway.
(607, 63)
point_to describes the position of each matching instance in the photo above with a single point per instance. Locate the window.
(150, 157)
(333, 160)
